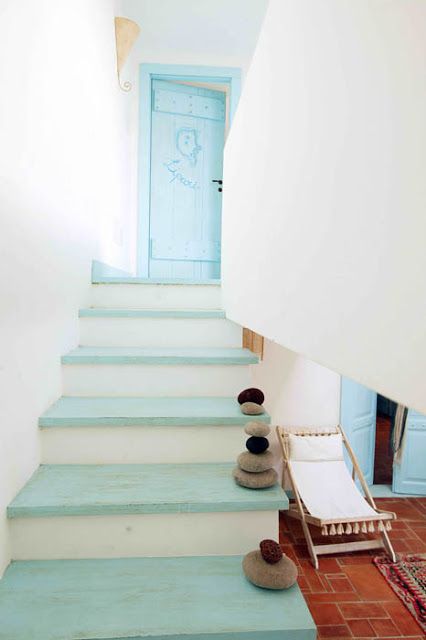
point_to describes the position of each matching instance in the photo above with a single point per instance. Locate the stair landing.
(130, 599)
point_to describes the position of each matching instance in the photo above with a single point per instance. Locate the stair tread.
(159, 355)
(101, 312)
(154, 281)
(56, 490)
(134, 598)
(197, 411)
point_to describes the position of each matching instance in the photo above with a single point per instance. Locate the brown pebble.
(251, 395)
(271, 551)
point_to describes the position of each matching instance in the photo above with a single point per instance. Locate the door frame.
(147, 72)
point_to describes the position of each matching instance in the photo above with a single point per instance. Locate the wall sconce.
(126, 33)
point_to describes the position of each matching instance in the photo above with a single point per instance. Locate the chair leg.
(388, 546)
(309, 542)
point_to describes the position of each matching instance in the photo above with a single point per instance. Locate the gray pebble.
(281, 575)
(255, 462)
(252, 409)
(257, 429)
(255, 480)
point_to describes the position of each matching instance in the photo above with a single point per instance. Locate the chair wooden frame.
(298, 510)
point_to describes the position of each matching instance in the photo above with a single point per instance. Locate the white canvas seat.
(325, 494)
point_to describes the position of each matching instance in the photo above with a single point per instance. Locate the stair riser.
(139, 296)
(124, 536)
(140, 444)
(159, 332)
(155, 380)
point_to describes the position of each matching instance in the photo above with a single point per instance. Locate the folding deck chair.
(326, 496)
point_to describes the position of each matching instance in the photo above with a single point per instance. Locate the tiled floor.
(383, 457)
(348, 597)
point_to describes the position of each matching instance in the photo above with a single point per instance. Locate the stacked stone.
(254, 469)
(269, 568)
(251, 401)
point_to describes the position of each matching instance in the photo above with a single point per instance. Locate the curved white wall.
(324, 225)
(62, 203)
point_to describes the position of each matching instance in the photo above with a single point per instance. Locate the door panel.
(188, 128)
(409, 476)
(358, 419)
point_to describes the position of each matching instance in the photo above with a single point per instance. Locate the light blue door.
(358, 419)
(187, 139)
(409, 475)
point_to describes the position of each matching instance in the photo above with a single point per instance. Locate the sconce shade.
(126, 32)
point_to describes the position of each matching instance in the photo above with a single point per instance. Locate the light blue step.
(84, 411)
(192, 598)
(135, 280)
(103, 273)
(160, 356)
(99, 312)
(61, 490)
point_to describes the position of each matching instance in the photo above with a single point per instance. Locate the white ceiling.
(196, 31)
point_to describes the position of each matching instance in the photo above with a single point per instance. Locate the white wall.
(62, 203)
(193, 32)
(324, 206)
(298, 392)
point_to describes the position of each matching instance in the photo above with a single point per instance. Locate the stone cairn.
(251, 402)
(255, 466)
(269, 568)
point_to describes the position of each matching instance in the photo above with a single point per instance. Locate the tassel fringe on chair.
(354, 527)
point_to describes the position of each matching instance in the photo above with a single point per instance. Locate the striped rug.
(407, 577)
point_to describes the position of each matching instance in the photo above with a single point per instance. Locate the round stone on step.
(257, 445)
(261, 480)
(251, 395)
(252, 409)
(255, 463)
(257, 429)
(281, 575)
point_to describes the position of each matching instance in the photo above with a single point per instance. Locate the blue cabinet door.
(409, 475)
(187, 139)
(358, 419)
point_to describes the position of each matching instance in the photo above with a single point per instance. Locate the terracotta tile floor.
(348, 597)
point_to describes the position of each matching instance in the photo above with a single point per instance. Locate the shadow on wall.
(298, 392)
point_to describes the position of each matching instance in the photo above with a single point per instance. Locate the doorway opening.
(185, 115)
(383, 454)
(369, 421)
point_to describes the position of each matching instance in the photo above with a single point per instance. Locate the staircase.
(133, 526)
